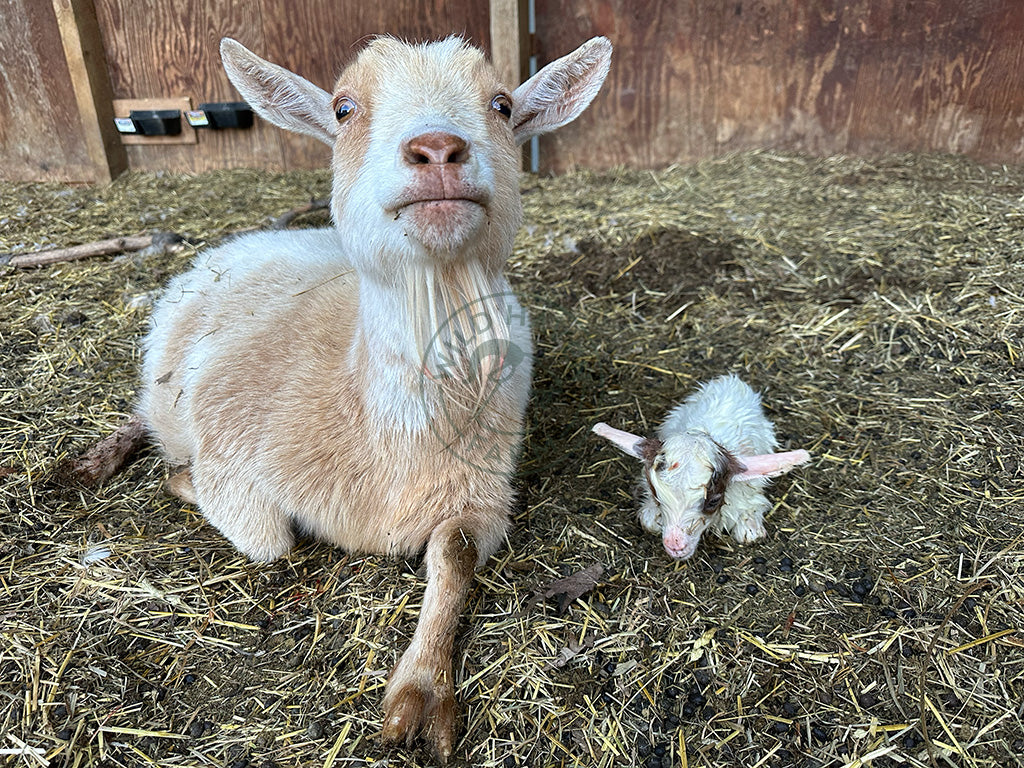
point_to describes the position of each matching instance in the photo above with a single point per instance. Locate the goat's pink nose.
(678, 544)
(435, 148)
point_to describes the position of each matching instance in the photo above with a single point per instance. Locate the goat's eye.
(344, 109)
(712, 503)
(503, 105)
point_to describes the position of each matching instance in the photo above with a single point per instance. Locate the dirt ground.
(878, 306)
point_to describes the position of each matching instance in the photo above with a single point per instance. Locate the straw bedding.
(877, 304)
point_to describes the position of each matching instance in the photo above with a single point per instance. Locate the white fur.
(721, 424)
(728, 412)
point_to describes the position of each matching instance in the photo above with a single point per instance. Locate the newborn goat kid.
(709, 467)
(333, 379)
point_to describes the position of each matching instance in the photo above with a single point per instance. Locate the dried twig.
(134, 242)
(88, 250)
(282, 221)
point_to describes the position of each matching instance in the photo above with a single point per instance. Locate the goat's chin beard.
(443, 226)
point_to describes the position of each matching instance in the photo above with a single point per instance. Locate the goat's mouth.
(438, 202)
(447, 206)
(680, 552)
(442, 223)
(681, 543)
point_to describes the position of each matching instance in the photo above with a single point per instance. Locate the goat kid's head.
(425, 141)
(688, 475)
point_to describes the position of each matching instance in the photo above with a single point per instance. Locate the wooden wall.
(43, 131)
(160, 48)
(694, 78)
(689, 78)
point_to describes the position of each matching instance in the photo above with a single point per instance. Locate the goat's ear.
(769, 464)
(282, 97)
(561, 91)
(624, 441)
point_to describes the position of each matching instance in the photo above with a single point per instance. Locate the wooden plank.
(510, 40)
(510, 45)
(952, 75)
(83, 51)
(656, 102)
(696, 78)
(169, 48)
(42, 137)
(784, 79)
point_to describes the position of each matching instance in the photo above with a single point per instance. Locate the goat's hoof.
(749, 532)
(410, 711)
(441, 733)
(180, 484)
(404, 714)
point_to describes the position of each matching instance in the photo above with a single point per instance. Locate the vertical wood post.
(83, 49)
(510, 44)
(510, 40)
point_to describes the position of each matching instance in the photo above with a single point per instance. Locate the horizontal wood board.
(690, 78)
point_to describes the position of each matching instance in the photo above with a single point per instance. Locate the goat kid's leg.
(420, 695)
(744, 510)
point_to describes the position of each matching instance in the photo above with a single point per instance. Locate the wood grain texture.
(165, 49)
(41, 135)
(510, 46)
(657, 101)
(90, 80)
(948, 77)
(510, 38)
(170, 48)
(696, 78)
(689, 79)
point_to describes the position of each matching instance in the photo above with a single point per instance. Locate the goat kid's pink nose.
(435, 148)
(677, 543)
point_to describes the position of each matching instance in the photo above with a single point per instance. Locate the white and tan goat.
(366, 384)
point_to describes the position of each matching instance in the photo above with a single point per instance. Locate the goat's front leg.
(421, 694)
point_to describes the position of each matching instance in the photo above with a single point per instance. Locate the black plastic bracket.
(220, 114)
(150, 122)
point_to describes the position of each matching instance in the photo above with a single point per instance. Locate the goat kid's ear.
(624, 441)
(769, 464)
(282, 97)
(560, 91)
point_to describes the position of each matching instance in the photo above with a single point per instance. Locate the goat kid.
(347, 381)
(708, 467)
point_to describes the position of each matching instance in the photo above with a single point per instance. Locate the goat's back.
(730, 412)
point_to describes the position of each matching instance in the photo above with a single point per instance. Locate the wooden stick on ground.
(105, 458)
(135, 243)
(87, 250)
(282, 221)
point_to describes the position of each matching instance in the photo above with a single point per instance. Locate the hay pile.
(878, 304)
